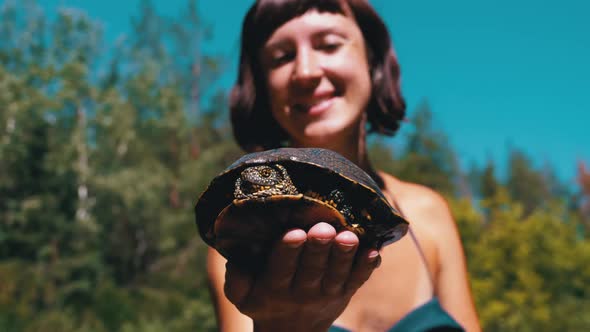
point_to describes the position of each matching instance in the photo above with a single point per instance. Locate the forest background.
(105, 147)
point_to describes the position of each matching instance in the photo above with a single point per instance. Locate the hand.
(308, 281)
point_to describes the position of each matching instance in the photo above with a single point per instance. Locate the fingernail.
(375, 258)
(373, 255)
(322, 241)
(347, 247)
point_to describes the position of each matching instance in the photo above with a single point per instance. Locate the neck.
(353, 147)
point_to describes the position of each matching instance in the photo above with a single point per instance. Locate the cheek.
(353, 70)
(363, 80)
(277, 90)
(359, 85)
(277, 98)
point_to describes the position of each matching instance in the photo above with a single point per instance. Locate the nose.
(308, 70)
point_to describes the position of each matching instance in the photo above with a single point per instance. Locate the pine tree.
(525, 184)
(428, 158)
(584, 194)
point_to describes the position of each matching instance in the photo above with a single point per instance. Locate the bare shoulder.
(431, 219)
(422, 205)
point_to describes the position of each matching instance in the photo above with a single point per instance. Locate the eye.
(330, 47)
(330, 43)
(281, 57)
(265, 172)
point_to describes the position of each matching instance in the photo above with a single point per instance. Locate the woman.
(322, 74)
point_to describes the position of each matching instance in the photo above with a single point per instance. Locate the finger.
(362, 268)
(237, 284)
(314, 258)
(340, 263)
(284, 258)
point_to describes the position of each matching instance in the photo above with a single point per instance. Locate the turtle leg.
(337, 197)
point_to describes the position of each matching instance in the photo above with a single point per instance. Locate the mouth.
(316, 106)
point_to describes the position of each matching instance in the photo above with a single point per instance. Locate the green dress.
(428, 317)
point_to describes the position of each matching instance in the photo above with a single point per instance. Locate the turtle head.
(264, 181)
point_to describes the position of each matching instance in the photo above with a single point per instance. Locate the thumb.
(237, 284)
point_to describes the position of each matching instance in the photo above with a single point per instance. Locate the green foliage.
(581, 199)
(99, 173)
(528, 272)
(428, 158)
(488, 182)
(525, 184)
(103, 152)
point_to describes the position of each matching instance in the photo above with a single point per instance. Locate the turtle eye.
(265, 172)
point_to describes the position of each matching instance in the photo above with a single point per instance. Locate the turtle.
(262, 194)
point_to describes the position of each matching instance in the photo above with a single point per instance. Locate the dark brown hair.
(253, 124)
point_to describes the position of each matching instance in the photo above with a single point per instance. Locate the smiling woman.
(315, 94)
(324, 74)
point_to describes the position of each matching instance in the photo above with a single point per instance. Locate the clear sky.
(497, 74)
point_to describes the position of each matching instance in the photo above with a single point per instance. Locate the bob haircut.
(253, 124)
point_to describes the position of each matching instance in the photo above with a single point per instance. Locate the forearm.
(229, 319)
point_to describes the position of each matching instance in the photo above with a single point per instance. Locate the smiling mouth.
(316, 107)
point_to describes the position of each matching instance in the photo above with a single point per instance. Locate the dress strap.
(422, 256)
(416, 242)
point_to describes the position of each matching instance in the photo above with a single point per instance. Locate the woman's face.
(317, 77)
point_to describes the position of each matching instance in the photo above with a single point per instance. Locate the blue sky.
(497, 74)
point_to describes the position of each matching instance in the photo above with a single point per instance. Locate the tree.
(528, 272)
(428, 158)
(583, 200)
(100, 173)
(525, 184)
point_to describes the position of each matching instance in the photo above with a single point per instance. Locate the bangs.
(267, 15)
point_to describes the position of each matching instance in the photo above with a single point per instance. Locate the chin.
(324, 134)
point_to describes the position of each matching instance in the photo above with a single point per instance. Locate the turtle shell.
(263, 194)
